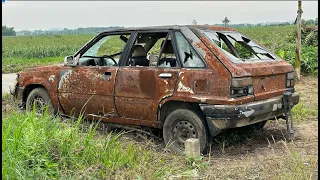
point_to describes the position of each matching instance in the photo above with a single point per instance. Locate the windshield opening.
(238, 47)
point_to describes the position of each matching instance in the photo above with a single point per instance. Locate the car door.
(89, 87)
(142, 83)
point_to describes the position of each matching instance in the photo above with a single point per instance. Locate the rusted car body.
(228, 92)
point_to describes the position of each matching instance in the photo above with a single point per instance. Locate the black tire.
(42, 99)
(182, 124)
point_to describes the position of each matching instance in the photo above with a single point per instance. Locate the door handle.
(106, 76)
(165, 75)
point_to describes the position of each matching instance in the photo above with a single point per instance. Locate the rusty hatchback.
(190, 81)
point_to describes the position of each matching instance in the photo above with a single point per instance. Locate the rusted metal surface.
(46, 76)
(87, 89)
(138, 91)
(135, 95)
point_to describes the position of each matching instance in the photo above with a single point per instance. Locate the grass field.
(23, 52)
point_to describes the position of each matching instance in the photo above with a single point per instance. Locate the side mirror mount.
(69, 61)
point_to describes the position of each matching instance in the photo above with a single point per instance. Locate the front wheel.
(182, 124)
(39, 98)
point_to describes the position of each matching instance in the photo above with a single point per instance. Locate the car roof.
(169, 27)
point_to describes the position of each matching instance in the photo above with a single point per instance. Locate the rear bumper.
(231, 116)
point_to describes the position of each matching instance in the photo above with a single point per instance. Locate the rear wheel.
(39, 98)
(182, 124)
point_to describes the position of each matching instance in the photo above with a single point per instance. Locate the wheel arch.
(167, 107)
(28, 89)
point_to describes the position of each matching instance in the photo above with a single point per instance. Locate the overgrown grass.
(54, 148)
(49, 147)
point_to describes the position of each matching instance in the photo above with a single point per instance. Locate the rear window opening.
(238, 47)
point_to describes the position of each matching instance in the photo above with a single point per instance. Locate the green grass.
(273, 37)
(54, 148)
(48, 148)
(301, 112)
(278, 39)
(39, 47)
(10, 65)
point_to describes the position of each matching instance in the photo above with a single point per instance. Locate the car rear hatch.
(269, 79)
(249, 61)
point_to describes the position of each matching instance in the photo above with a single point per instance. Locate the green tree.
(226, 21)
(194, 22)
(8, 31)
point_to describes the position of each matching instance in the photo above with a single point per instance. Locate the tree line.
(9, 31)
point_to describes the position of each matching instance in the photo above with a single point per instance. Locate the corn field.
(278, 39)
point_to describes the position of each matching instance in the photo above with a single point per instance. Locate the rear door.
(89, 87)
(145, 78)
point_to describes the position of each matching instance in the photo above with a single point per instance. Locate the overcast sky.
(73, 14)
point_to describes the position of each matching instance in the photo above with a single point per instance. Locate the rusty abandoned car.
(191, 81)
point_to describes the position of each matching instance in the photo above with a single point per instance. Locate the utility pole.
(298, 43)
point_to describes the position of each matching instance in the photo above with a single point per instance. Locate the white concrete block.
(192, 147)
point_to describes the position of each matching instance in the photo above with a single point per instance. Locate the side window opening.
(152, 49)
(188, 55)
(167, 56)
(105, 52)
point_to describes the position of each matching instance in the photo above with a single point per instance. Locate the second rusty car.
(190, 81)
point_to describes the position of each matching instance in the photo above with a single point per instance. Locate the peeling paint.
(247, 113)
(51, 78)
(182, 88)
(64, 75)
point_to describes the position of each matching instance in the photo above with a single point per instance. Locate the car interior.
(147, 49)
(145, 52)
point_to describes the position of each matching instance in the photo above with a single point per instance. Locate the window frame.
(133, 40)
(195, 50)
(96, 39)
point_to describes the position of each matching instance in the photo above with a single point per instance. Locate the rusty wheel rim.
(39, 105)
(182, 131)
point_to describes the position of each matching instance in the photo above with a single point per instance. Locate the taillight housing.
(241, 87)
(290, 78)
